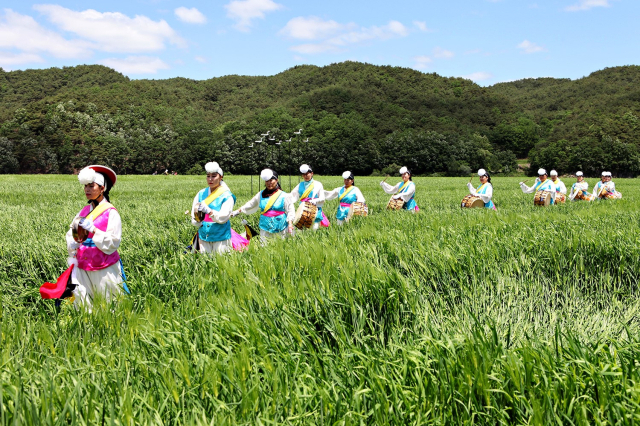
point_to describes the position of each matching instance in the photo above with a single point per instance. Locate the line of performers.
(96, 270)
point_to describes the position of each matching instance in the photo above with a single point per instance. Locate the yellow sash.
(403, 185)
(102, 207)
(308, 191)
(272, 201)
(481, 187)
(344, 194)
(214, 195)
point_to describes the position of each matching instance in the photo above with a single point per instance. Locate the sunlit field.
(526, 315)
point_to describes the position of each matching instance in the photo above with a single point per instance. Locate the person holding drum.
(541, 184)
(211, 210)
(484, 191)
(93, 241)
(276, 209)
(606, 189)
(347, 195)
(579, 189)
(311, 191)
(404, 190)
(561, 189)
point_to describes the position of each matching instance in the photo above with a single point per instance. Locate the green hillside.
(356, 116)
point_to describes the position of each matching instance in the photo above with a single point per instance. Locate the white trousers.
(105, 283)
(339, 222)
(215, 247)
(265, 236)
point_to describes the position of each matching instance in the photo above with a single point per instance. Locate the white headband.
(266, 174)
(542, 172)
(88, 175)
(403, 170)
(305, 168)
(213, 167)
(579, 174)
(482, 172)
(347, 175)
(553, 173)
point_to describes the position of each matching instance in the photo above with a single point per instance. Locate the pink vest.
(90, 257)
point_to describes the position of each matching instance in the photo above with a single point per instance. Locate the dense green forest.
(352, 115)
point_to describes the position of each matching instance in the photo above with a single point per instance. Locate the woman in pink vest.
(98, 269)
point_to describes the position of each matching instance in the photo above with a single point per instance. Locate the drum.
(542, 198)
(580, 195)
(395, 204)
(611, 195)
(357, 209)
(305, 215)
(199, 216)
(472, 201)
(560, 198)
(78, 232)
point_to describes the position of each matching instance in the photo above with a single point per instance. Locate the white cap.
(266, 174)
(403, 170)
(553, 173)
(305, 168)
(482, 172)
(213, 167)
(609, 174)
(347, 175)
(88, 175)
(603, 174)
(542, 172)
(579, 174)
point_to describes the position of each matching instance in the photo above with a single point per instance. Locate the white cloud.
(340, 42)
(8, 59)
(587, 4)
(190, 16)
(136, 64)
(201, 59)
(422, 26)
(441, 53)
(478, 76)
(113, 31)
(311, 28)
(529, 47)
(245, 11)
(422, 62)
(23, 33)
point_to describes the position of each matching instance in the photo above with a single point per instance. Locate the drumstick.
(471, 179)
(386, 178)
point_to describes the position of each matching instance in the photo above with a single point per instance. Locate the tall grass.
(524, 315)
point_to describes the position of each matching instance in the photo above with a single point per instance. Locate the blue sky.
(487, 41)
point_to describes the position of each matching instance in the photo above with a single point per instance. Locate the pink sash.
(272, 213)
(345, 205)
(238, 241)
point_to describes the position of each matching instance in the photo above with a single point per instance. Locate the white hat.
(482, 172)
(88, 175)
(609, 174)
(603, 174)
(403, 170)
(553, 173)
(542, 172)
(213, 167)
(579, 174)
(347, 175)
(305, 169)
(267, 174)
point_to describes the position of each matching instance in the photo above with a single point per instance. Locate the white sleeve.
(563, 188)
(612, 186)
(294, 195)
(330, 195)
(406, 196)
(108, 241)
(359, 196)
(390, 189)
(224, 214)
(252, 205)
(320, 199)
(486, 197)
(291, 211)
(193, 210)
(574, 191)
(72, 246)
(472, 190)
(529, 190)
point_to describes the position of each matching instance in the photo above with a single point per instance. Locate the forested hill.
(356, 116)
(592, 123)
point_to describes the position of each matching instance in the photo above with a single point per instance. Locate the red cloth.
(238, 241)
(55, 290)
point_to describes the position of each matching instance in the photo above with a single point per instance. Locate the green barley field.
(521, 316)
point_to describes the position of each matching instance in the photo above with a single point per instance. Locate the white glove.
(395, 197)
(204, 208)
(521, 183)
(74, 246)
(313, 201)
(196, 223)
(235, 213)
(72, 261)
(88, 225)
